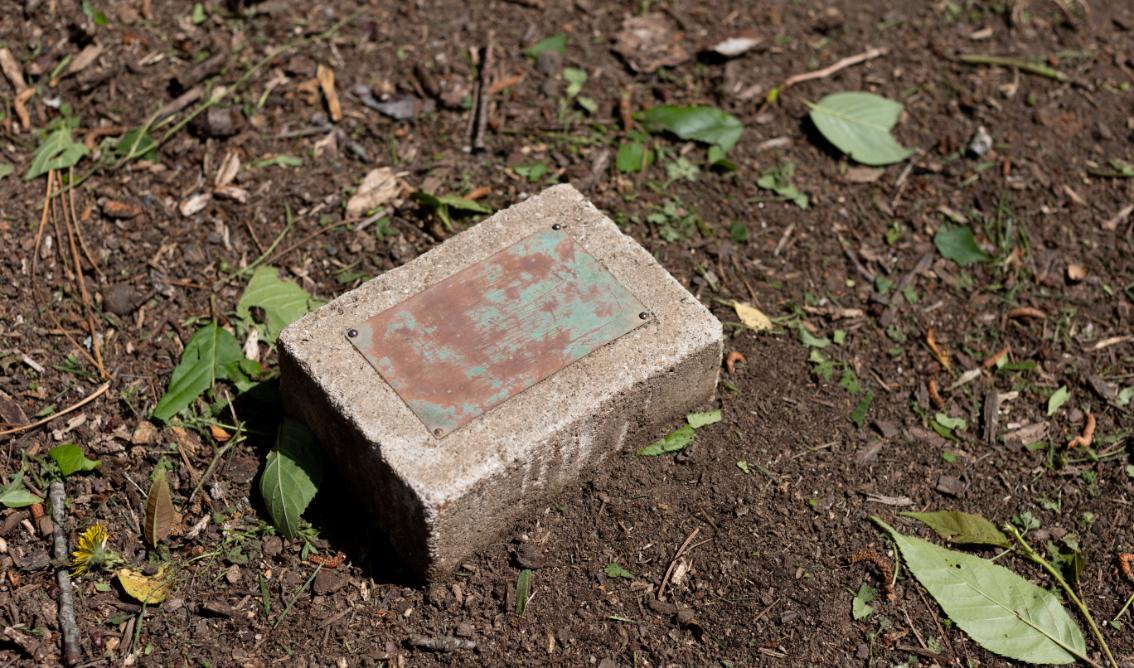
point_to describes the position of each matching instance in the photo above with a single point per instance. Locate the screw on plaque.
(352, 333)
(644, 315)
(556, 226)
(438, 431)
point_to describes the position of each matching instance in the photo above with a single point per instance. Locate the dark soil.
(768, 578)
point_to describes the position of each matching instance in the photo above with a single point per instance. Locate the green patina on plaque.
(496, 328)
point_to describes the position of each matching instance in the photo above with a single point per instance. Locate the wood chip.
(326, 77)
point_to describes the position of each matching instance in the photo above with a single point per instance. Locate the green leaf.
(956, 243)
(674, 442)
(632, 157)
(575, 79)
(15, 495)
(698, 420)
(291, 476)
(1000, 610)
(778, 180)
(283, 301)
(962, 528)
(859, 606)
(461, 204)
(202, 364)
(198, 15)
(742, 465)
(950, 423)
(614, 570)
(6, 168)
(858, 124)
(858, 415)
(277, 161)
(136, 144)
(811, 341)
(1057, 399)
(532, 172)
(523, 590)
(1124, 396)
(58, 151)
(708, 125)
(70, 458)
(555, 43)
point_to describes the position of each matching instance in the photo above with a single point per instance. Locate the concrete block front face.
(462, 389)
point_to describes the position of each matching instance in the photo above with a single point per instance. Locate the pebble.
(120, 298)
(328, 582)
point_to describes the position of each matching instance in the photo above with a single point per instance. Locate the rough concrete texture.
(439, 499)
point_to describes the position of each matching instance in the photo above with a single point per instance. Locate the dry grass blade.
(159, 510)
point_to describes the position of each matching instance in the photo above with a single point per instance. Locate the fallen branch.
(837, 66)
(70, 409)
(673, 563)
(69, 630)
(483, 96)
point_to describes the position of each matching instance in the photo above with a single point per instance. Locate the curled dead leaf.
(147, 589)
(752, 317)
(1021, 312)
(227, 171)
(648, 42)
(194, 204)
(326, 77)
(732, 358)
(379, 186)
(938, 351)
(1076, 272)
(219, 435)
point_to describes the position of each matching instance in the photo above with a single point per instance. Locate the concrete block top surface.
(442, 462)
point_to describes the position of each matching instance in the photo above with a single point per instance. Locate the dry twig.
(74, 407)
(673, 563)
(69, 630)
(849, 61)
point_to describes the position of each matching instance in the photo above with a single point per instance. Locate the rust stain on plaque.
(494, 329)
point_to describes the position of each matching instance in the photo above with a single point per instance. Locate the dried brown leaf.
(159, 510)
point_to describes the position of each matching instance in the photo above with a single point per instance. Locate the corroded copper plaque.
(494, 329)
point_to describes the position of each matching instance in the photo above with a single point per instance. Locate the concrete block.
(443, 474)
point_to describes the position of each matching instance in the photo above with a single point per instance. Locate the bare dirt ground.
(776, 497)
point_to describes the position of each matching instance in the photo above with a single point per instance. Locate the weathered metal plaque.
(494, 329)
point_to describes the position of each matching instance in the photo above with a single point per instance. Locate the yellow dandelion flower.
(92, 551)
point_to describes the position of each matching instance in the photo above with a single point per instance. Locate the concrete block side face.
(377, 489)
(625, 420)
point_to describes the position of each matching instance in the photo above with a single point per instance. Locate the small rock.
(465, 630)
(868, 452)
(980, 143)
(144, 434)
(550, 62)
(120, 298)
(950, 485)
(328, 582)
(272, 546)
(530, 556)
(1076, 272)
(31, 561)
(219, 122)
(662, 607)
(886, 428)
(10, 411)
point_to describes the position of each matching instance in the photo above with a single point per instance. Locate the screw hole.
(352, 333)
(438, 431)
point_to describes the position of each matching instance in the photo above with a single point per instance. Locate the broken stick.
(69, 630)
